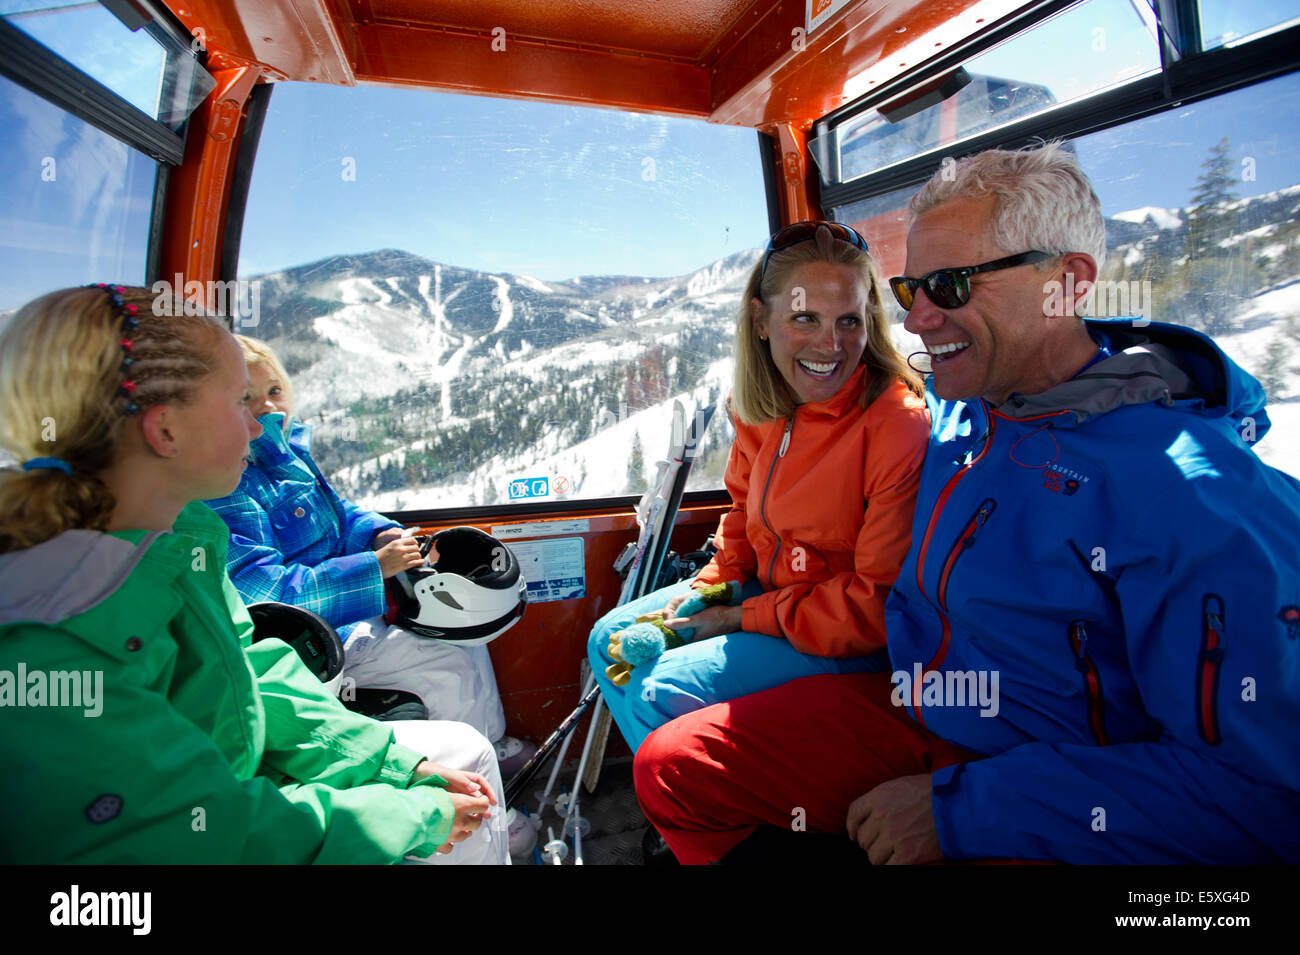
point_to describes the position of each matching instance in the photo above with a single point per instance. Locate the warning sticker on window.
(554, 569)
(818, 12)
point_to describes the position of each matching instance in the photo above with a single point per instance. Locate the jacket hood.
(1172, 364)
(66, 575)
(78, 570)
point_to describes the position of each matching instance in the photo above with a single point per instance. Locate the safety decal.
(554, 569)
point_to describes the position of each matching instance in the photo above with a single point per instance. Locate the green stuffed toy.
(647, 638)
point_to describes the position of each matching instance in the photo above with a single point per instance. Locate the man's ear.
(1084, 269)
(758, 317)
(156, 425)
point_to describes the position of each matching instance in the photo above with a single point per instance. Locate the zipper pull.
(1081, 634)
(785, 439)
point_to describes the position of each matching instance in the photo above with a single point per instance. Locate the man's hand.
(894, 822)
(709, 622)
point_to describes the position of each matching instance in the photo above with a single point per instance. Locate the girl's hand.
(709, 622)
(399, 555)
(458, 780)
(386, 537)
(470, 813)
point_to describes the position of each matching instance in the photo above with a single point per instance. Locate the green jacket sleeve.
(310, 735)
(139, 782)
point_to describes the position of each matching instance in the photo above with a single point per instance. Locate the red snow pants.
(799, 752)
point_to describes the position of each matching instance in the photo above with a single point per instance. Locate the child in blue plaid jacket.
(294, 539)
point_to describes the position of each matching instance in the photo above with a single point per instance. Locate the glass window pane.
(146, 67)
(480, 299)
(1203, 225)
(1080, 52)
(1203, 229)
(76, 203)
(1223, 23)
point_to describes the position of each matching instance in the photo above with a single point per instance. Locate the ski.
(656, 513)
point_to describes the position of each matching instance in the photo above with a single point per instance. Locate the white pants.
(455, 683)
(458, 746)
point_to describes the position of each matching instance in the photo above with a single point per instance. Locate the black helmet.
(314, 640)
(472, 595)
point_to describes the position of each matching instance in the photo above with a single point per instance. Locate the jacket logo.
(1062, 480)
(104, 809)
(1291, 617)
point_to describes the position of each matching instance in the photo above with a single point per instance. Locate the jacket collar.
(273, 445)
(1152, 362)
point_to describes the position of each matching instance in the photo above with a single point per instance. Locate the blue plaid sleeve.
(341, 589)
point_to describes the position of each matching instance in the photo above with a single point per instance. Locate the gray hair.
(1044, 200)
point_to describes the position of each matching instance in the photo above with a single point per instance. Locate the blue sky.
(499, 185)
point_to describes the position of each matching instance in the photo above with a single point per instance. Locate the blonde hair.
(759, 391)
(61, 396)
(257, 352)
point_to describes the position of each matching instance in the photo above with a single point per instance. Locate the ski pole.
(515, 788)
(559, 760)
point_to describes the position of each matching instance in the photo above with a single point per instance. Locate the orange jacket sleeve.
(735, 559)
(844, 616)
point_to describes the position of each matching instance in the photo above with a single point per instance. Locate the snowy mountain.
(432, 386)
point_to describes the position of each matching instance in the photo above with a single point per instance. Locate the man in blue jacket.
(1096, 633)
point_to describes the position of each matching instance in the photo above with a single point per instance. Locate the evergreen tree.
(1207, 221)
(1273, 373)
(636, 482)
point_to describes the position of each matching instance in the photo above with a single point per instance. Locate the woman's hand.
(399, 555)
(670, 608)
(709, 622)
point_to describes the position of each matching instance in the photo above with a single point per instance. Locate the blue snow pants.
(700, 674)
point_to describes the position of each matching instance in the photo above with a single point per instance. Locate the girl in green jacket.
(138, 722)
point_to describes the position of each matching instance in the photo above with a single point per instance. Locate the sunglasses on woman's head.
(950, 288)
(804, 232)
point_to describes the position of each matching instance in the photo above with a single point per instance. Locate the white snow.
(1248, 348)
(527, 281)
(502, 303)
(1163, 218)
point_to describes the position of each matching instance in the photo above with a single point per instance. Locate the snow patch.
(1163, 218)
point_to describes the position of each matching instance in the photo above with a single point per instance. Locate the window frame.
(38, 69)
(1187, 75)
(34, 67)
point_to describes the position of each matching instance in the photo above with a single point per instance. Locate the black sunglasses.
(950, 288)
(805, 231)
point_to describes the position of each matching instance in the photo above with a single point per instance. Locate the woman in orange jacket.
(821, 396)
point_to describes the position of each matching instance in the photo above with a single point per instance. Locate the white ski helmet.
(314, 640)
(472, 595)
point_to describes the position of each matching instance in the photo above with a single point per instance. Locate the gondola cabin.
(495, 242)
